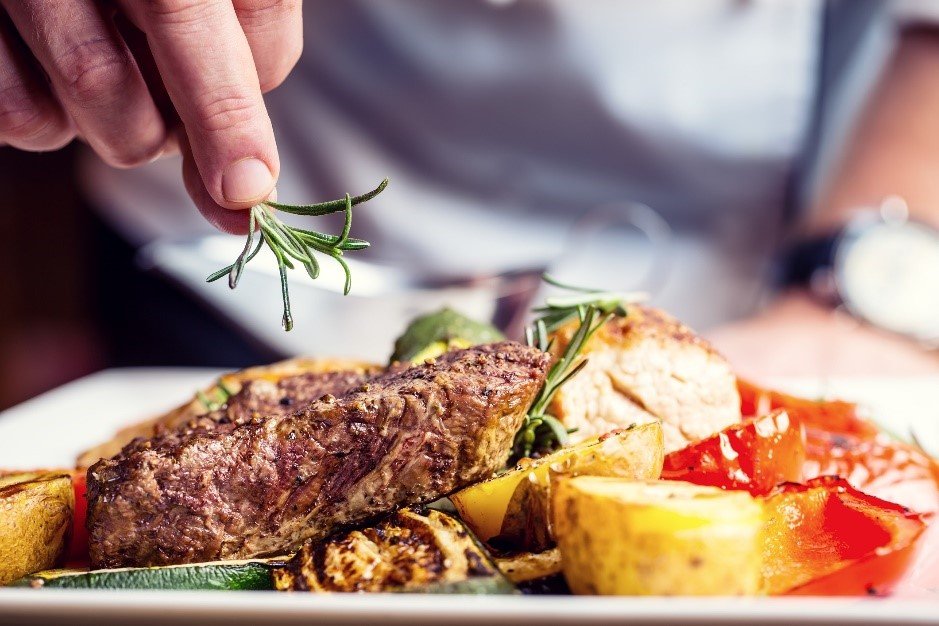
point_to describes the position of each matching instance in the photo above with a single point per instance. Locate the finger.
(274, 29)
(94, 77)
(209, 72)
(226, 220)
(30, 118)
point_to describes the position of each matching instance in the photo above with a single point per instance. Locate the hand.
(798, 337)
(138, 78)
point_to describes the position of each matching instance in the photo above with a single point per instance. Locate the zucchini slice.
(408, 552)
(431, 335)
(219, 575)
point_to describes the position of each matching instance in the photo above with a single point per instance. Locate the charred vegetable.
(523, 567)
(35, 519)
(410, 552)
(433, 334)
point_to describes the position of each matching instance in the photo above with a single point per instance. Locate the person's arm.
(894, 151)
(895, 146)
(102, 70)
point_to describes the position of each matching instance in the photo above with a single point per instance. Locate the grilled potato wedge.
(195, 407)
(619, 537)
(35, 519)
(516, 502)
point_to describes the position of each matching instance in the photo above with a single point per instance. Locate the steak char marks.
(262, 398)
(239, 490)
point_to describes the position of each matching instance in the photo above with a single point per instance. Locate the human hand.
(138, 79)
(797, 337)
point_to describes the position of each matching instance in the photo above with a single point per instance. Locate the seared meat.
(241, 490)
(263, 398)
(643, 367)
(182, 415)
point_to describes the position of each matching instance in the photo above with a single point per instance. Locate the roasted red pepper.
(77, 552)
(755, 455)
(826, 525)
(839, 441)
(833, 416)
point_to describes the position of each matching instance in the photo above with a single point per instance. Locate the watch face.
(889, 275)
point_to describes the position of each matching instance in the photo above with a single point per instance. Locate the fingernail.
(246, 180)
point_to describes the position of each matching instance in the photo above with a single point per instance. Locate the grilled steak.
(262, 398)
(180, 417)
(263, 487)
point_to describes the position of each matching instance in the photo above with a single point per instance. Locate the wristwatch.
(882, 267)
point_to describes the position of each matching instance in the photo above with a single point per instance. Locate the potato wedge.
(35, 519)
(635, 453)
(619, 537)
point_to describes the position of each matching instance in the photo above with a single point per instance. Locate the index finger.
(207, 67)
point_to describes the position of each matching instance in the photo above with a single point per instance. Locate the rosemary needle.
(290, 244)
(541, 431)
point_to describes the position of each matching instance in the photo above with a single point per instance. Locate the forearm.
(894, 149)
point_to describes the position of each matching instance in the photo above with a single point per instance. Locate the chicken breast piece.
(644, 367)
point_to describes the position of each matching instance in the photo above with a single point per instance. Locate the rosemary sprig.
(290, 244)
(541, 431)
(558, 310)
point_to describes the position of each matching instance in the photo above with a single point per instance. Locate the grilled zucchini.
(410, 552)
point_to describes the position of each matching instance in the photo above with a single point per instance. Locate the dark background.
(47, 329)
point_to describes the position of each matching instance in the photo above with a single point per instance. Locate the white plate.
(52, 429)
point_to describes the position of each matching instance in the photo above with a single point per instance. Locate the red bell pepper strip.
(76, 554)
(754, 455)
(840, 441)
(833, 416)
(826, 525)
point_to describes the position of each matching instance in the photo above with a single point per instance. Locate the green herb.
(541, 431)
(221, 392)
(289, 243)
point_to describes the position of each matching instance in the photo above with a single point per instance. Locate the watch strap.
(802, 260)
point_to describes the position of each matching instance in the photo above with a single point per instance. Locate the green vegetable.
(431, 335)
(289, 242)
(541, 431)
(219, 575)
(409, 551)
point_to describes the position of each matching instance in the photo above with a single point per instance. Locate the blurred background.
(671, 147)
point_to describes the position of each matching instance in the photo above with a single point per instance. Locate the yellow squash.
(618, 537)
(635, 453)
(35, 517)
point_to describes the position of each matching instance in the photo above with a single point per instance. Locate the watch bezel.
(864, 225)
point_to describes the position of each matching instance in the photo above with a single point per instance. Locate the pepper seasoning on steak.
(405, 437)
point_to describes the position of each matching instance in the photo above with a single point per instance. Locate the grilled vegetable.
(826, 525)
(756, 455)
(410, 551)
(35, 519)
(618, 537)
(519, 496)
(220, 575)
(840, 441)
(433, 334)
(527, 566)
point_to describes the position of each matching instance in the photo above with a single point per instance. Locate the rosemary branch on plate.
(541, 431)
(291, 244)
